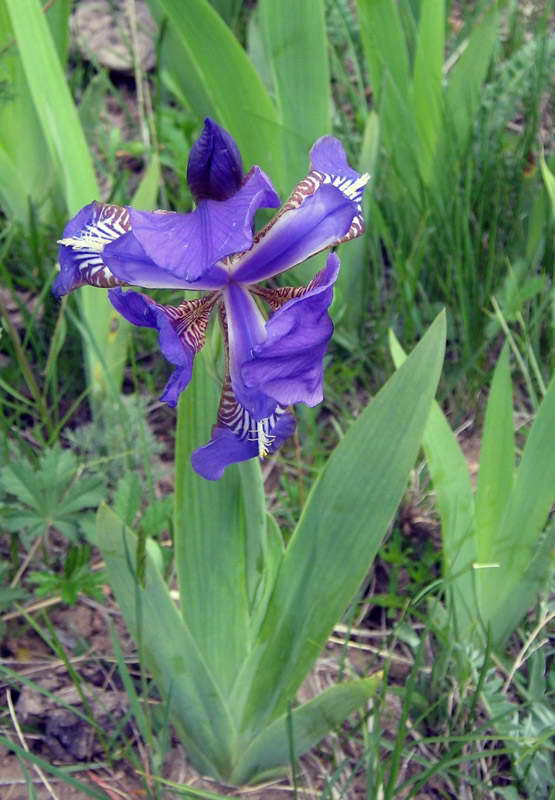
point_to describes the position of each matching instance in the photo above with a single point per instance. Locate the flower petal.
(244, 329)
(323, 211)
(188, 245)
(238, 437)
(181, 329)
(288, 365)
(215, 168)
(128, 261)
(82, 245)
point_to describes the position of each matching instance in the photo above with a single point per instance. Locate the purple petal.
(82, 248)
(245, 329)
(323, 211)
(129, 262)
(181, 331)
(322, 221)
(215, 169)
(328, 157)
(238, 437)
(288, 365)
(188, 245)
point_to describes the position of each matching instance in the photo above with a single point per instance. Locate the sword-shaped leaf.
(343, 523)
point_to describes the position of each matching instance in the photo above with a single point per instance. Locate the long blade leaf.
(168, 649)
(342, 525)
(307, 725)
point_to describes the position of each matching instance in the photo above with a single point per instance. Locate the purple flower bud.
(215, 169)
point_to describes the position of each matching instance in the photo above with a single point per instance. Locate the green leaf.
(549, 181)
(351, 296)
(497, 464)
(216, 77)
(384, 45)
(506, 599)
(297, 51)
(307, 725)
(468, 75)
(427, 86)
(228, 9)
(66, 143)
(343, 523)
(220, 541)
(168, 649)
(147, 191)
(455, 504)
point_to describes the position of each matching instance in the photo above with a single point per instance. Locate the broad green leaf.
(63, 133)
(168, 649)
(342, 525)
(306, 726)
(497, 464)
(519, 533)
(217, 78)
(467, 76)
(455, 504)
(220, 537)
(297, 51)
(384, 45)
(427, 86)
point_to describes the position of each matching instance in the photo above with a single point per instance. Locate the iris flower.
(270, 363)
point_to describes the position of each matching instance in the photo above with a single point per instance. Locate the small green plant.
(54, 492)
(75, 577)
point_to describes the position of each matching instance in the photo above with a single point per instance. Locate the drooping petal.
(215, 168)
(288, 364)
(128, 261)
(188, 245)
(238, 437)
(323, 211)
(244, 328)
(82, 245)
(181, 329)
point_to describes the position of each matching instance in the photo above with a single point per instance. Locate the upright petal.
(188, 245)
(323, 211)
(237, 436)
(244, 329)
(82, 245)
(215, 169)
(288, 364)
(181, 329)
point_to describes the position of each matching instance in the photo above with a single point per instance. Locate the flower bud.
(215, 169)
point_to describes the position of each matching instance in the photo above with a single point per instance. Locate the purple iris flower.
(270, 363)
